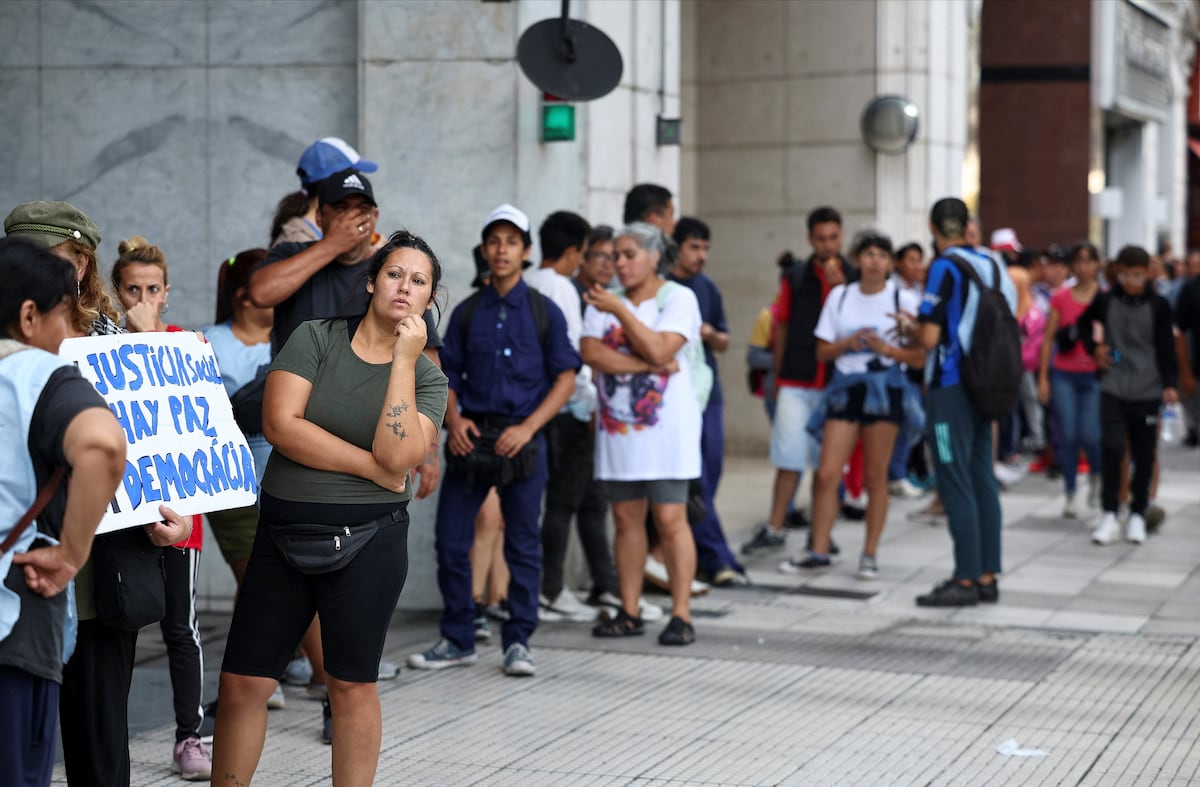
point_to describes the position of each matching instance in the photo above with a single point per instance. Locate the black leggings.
(1137, 422)
(276, 604)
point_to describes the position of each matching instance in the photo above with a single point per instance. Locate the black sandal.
(677, 632)
(623, 625)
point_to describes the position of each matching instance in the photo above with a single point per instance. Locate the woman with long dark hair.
(351, 406)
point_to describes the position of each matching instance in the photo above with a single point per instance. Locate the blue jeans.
(1077, 401)
(910, 431)
(712, 550)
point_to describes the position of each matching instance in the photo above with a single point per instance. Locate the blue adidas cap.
(328, 156)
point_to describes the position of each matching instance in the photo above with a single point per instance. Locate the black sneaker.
(833, 547)
(990, 593)
(677, 632)
(209, 722)
(809, 562)
(950, 594)
(765, 540)
(483, 631)
(326, 723)
(796, 520)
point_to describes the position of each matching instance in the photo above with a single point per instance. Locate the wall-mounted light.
(889, 124)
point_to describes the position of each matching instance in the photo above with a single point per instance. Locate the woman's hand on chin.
(410, 339)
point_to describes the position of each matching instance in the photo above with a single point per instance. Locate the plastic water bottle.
(1170, 423)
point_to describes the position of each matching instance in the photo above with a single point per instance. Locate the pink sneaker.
(192, 760)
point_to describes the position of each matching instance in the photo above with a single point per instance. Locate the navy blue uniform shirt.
(502, 370)
(712, 311)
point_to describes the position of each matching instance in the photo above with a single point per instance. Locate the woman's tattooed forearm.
(395, 411)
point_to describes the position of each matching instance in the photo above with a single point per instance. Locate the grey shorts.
(664, 490)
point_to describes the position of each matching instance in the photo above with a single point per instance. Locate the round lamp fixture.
(889, 124)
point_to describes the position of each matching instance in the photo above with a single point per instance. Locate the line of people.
(329, 350)
(1102, 355)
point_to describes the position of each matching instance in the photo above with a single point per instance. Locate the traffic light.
(558, 119)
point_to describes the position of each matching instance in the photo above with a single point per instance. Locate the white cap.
(510, 214)
(1005, 239)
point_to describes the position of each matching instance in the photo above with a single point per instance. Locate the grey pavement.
(1091, 656)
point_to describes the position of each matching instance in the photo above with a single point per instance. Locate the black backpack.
(537, 305)
(992, 369)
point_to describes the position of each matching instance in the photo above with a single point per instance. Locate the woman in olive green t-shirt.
(351, 406)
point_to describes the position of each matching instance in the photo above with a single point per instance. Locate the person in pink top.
(1069, 373)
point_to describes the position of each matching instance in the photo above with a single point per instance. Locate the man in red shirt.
(800, 377)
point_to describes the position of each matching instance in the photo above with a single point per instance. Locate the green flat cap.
(50, 223)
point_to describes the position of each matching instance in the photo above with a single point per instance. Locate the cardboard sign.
(184, 448)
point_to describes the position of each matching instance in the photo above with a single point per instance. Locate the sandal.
(623, 625)
(677, 632)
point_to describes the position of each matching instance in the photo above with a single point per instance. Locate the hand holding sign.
(184, 446)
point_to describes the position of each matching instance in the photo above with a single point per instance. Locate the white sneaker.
(649, 613)
(1135, 530)
(276, 701)
(568, 605)
(388, 670)
(902, 487)
(1007, 474)
(656, 574)
(1071, 508)
(1093, 498)
(1109, 529)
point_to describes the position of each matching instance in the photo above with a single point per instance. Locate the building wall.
(1034, 119)
(776, 90)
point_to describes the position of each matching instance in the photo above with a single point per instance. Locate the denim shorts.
(792, 448)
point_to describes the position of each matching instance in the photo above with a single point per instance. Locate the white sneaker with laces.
(1071, 508)
(1135, 530)
(902, 487)
(568, 606)
(276, 701)
(1109, 529)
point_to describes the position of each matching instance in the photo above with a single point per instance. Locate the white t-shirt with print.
(841, 318)
(648, 425)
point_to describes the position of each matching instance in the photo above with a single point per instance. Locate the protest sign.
(184, 449)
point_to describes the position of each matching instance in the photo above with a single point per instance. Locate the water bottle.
(1170, 423)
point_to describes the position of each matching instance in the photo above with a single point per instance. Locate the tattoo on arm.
(396, 410)
(397, 429)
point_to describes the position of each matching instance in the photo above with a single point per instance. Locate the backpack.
(537, 305)
(702, 374)
(992, 369)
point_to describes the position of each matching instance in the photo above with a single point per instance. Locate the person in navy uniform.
(511, 368)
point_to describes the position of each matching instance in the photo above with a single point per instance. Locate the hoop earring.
(164, 308)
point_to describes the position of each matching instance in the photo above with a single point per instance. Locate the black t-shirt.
(334, 291)
(36, 642)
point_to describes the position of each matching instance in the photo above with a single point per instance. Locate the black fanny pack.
(130, 590)
(484, 467)
(313, 548)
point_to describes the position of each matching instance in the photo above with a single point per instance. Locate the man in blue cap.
(296, 215)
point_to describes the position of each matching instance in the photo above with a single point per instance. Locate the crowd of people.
(584, 385)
